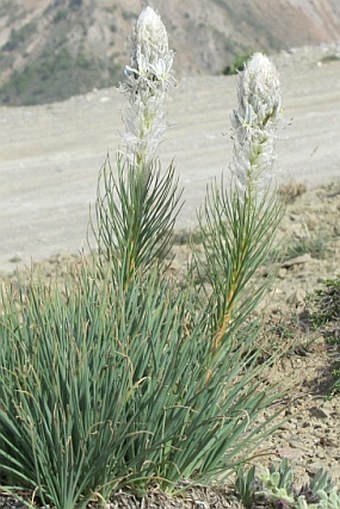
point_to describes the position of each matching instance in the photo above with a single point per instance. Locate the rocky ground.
(310, 238)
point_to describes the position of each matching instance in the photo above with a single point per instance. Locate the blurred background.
(51, 50)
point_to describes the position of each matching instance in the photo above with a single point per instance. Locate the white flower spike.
(148, 77)
(254, 123)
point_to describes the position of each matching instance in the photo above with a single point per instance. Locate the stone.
(318, 413)
(290, 453)
(297, 260)
(312, 468)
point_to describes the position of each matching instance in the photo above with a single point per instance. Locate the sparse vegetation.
(60, 15)
(290, 191)
(315, 244)
(5, 60)
(187, 237)
(128, 15)
(325, 316)
(56, 77)
(238, 64)
(275, 488)
(330, 58)
(19, 36)
(75, 4)
(8, 7)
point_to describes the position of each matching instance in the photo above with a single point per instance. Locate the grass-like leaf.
(100, 391)
(135, 212)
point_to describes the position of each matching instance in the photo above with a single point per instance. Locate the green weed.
(238, 64)
(316, 245)
(19, 36)
(54, 76)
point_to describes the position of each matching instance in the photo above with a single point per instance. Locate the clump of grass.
(288, 332)
(330, 58)
(327, 302)
(290, 191)
(314, 244)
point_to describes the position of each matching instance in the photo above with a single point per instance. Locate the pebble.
(282, 273)
(312, 468)
(318, 412)
(291, 453)
(336, 408)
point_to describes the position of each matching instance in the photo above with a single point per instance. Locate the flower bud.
(148, 77)
(254, 123)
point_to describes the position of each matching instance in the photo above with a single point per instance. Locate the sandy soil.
(50, 155)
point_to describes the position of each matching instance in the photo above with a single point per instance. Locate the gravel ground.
(310, 233)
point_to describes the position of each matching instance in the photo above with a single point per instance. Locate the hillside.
(53, 49)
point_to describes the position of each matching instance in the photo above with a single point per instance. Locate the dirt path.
(50, 155)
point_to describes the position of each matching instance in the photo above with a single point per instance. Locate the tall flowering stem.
(147, 80)
(136, 205)
(239, 222)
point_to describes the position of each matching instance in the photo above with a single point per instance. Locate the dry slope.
(53, 49)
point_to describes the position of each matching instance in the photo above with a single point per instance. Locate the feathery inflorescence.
(147, 80)
(254, 123)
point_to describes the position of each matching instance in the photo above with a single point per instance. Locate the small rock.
(282, 273)
(318, 413)
(312, 468)
(320, 454)
(325, 441)
(305, 258)
(291, 453)
(296, 297)
(336, 408)
(287, 426)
